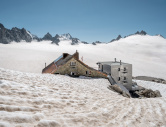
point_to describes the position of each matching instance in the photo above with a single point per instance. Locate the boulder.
(120, 89)
(148, 93)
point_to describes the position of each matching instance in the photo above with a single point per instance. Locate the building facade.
(120, 72)
(71, 65)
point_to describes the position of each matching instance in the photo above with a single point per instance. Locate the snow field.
(39, 100)
(147, 54)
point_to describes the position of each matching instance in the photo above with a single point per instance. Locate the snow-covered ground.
(45, 100)
(146, 53)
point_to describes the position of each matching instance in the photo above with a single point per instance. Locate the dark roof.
(63, 61)
(85, 65)
(91, 68)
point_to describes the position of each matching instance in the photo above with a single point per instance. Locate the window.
(124, 78)
(72, 63)
(124, 69)
(89, 72)
(118, 69)
(86, 72)
(119, 79)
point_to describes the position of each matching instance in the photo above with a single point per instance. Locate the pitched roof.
(85, 64)
(91, 68)
(63, 61)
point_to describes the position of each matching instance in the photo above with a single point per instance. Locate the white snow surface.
(147, 54)
(45, 100)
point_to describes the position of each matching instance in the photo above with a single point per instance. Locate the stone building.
(71, 65)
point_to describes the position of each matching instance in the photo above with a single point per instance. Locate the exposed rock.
(120, 89)
(75, 41)
(160, 35)
(15, 34)
(36, 38)
(48, 36)
(152, 79)
(118, 38)
(93, 43)
(141, 33)
(84, 42)
(148, 93)
(137, 33)
(1, 26)
(55, 40)
(65, 37)
(97, 42)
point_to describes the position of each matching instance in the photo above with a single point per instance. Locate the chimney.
(115, 59)
(65, 55)
(120, 62)
(76, 55)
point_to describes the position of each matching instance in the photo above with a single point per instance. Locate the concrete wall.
(106, 68)
(124, 75)
(117, 71)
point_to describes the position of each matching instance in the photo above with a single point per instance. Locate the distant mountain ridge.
(17, 35)
(64, 37)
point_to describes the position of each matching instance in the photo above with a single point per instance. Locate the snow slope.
(146, 53)
(44, 100)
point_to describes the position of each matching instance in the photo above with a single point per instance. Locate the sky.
(88, 20)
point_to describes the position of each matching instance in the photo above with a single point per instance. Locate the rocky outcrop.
(137, 33)
(84, 42)
(48, 36)
(36, 38)
(56, 40)
(160, 35)
(75, 41)
(120, 89)
(65, 37)
(96, 42)
(118, 38)
(141, 33)
(15, 34)
(152, 79)
(148, 93)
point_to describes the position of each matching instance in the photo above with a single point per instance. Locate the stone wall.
(79, 69)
